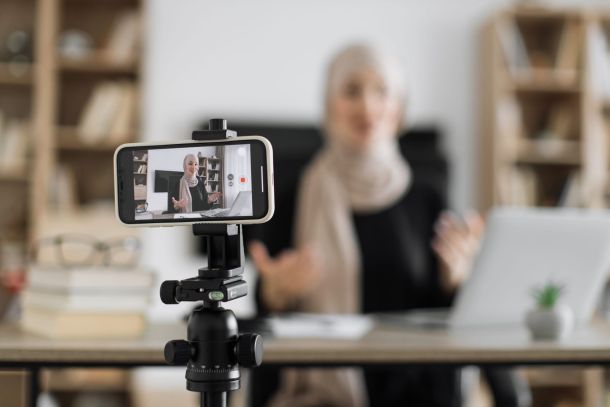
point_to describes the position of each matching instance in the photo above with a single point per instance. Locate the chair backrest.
(293, 148)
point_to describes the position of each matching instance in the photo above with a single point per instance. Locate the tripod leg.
(214, 399)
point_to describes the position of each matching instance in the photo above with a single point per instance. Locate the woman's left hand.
(456, 242)
(214, 197)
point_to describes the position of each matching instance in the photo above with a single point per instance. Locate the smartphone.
(213, 181)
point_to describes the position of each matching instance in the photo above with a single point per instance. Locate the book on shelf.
(63, 195)
(513, 46)
(568, 50)
(109, 114)
(561, 123)
(139, 191)
(599, 60)
(517, 186)
(509, 124)
(124, 124)
(82, 325)
(124, 40)
(571, 194)
(13, 145)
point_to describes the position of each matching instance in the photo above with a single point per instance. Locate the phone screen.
(193, 182)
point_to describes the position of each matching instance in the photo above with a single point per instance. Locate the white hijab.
(187, 182)
(339, 182)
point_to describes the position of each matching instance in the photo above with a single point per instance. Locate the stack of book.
(92, 302)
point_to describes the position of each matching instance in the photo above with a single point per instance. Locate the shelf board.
(542, 12)
(98, 64)
(549, 152)
(8, 78)
(545, 80)
(12, 176)
(68, 140)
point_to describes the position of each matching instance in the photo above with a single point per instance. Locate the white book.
(124, 39)
(513, 46)
(100, 112)
(599, 60)
(91, 278)
(83, 301)
(71, 325)
(15, 146)
(124, 121)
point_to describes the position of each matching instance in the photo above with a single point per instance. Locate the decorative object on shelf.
(17, 52)
(75, 44)
(549, 320)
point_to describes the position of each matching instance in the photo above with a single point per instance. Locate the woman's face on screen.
(363, 110)
(192, 167)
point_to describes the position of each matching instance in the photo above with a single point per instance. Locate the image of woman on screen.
(193, 195)
(369, 236)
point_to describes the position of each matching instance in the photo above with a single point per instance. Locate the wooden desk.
(385, 344)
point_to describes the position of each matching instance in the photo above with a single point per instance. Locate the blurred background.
(514, 97)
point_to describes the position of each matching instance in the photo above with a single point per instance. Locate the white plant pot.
(550, 324)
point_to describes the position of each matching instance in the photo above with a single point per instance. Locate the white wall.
(237, 162)
(265, 60)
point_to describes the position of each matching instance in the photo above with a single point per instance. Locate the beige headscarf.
(187, 182)
(338, 182)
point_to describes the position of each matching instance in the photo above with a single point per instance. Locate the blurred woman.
(193, 195)
(368, 238)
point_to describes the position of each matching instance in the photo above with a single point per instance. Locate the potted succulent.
(549, 320)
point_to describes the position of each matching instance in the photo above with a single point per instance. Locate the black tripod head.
(214, 350)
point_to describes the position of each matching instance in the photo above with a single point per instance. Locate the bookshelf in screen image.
(210, 168)
(140, 176)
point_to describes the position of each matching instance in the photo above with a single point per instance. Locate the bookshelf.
(60, 161)
(140, 178)
(545, 138)
(210, 168)
(88, 58)
(545, 132)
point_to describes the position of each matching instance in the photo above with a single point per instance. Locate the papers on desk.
(325, 326)
(187, 216)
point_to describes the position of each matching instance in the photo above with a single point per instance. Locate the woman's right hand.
(287, 277)
(181, 204)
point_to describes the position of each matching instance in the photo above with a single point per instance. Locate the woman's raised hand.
(181, 204)
(287, 277)
(214, 197)
(456, 242)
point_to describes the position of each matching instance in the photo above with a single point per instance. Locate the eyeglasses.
(70, 250)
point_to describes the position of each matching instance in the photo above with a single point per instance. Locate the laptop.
(524, 248)
(242, 206)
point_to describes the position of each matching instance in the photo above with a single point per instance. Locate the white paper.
(321, 326)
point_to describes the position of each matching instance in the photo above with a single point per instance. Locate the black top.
(399, 268)
(199, 196)
(400, 272)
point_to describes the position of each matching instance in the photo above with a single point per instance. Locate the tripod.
(213, 350)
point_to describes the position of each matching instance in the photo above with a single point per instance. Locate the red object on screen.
(242, 180)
